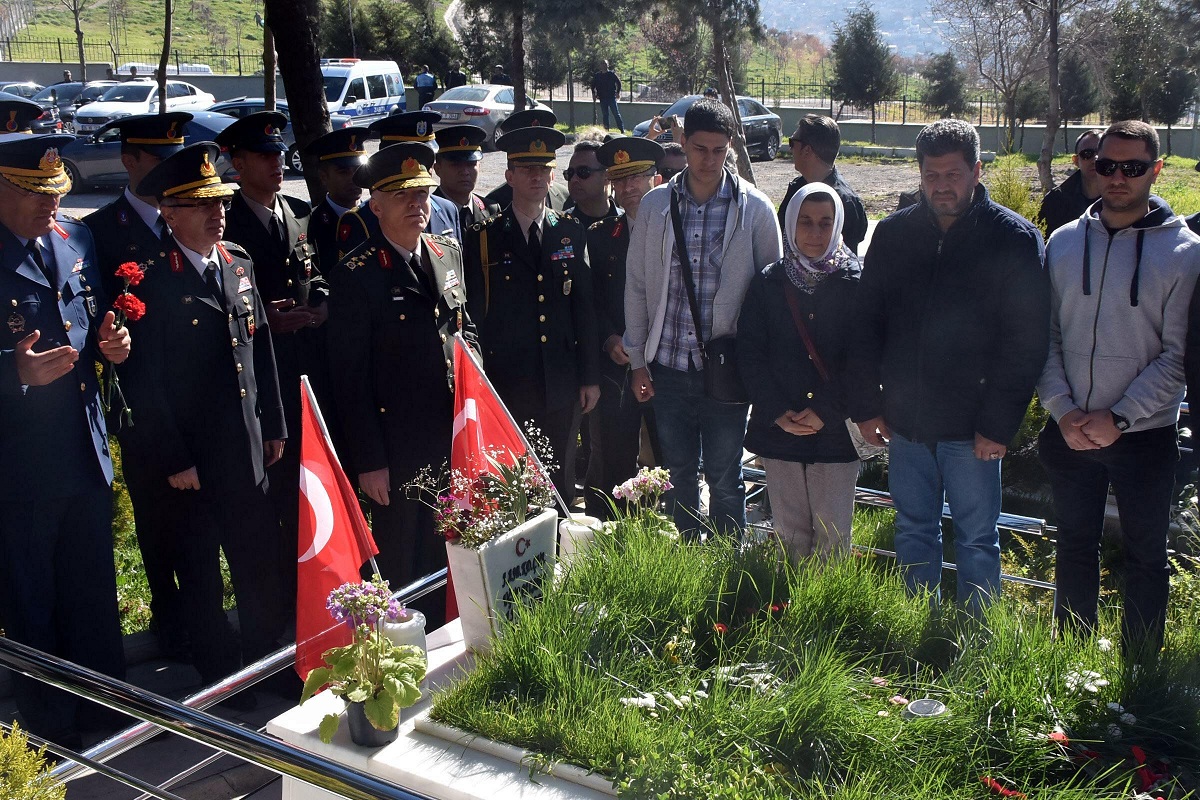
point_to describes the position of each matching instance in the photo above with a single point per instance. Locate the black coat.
(608, 245)
(954, 326)
(537, 325)
(392, 343)
(854, 226)
(201, 380)
(322, 234)
(778, 374)
(478, 210)
(557, 198)
(120, 236)
(1064, 203)
(290, 272)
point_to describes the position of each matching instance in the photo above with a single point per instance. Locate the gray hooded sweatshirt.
(1119, 316)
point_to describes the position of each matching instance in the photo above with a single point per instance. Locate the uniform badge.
(422, 126)
(565, 240)
(224, 253)
(123, 217)
(16, 323)
(240, 271)
(132, 248)
(78, 266)
(303, 236)
(344, 231)
(385, 259)
(243, 284)
(91, 305)
(250, 326)
(308, 269)
(188, 299)
(567, 287)
(451, 280)
(397, 293)
(176, 261)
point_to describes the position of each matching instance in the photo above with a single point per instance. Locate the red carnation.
(999, 788)
(131, 273)
(133, 308)
(720, 628)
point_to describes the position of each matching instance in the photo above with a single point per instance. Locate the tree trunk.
(570, 92)
(269, 67)
(1010, 127)
(872, 123)
(168, 6)
(725, 79)
(79, 42)
(297, 23)
(1052, 110)
(518, 55)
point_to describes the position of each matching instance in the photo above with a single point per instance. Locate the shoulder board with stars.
(444, 241)
(604, 223)
(358, 257)
(234, 249)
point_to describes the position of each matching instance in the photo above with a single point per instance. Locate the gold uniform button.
(289, 283)
(810, 316)
(543, 339)
(541, 298)
(401, 316)
(67, 325)
(14, 302)
(239, 367)
(382, 410)
(540, 279)
(59, 297)
(809, 395)
(443, 338)
(83, 387)
(243, 393)
(541, 318)
(437, 312)
(449, 363)
(195, 322)
(235, 342)
(231, 317)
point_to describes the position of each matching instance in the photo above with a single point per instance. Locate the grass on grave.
(772, 682)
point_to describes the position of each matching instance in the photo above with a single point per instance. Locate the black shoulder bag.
(722, 382)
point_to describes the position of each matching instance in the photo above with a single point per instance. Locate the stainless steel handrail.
(126, 740)
(250, 746)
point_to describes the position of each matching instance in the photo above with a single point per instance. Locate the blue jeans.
(920, 477)
(688, 423)
(611, 103)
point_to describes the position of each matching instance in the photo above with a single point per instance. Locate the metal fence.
(65, 50)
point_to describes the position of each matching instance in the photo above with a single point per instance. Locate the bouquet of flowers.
(370, 670)
(127, 308)
(477, 504)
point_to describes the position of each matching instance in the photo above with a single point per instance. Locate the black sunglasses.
(1087, 154)
(583, 172)
(668, 173)
(1130, 169)
(209, 204)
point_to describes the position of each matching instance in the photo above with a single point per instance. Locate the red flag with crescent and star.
(334, 540)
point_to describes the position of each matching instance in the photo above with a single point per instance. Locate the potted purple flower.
(373, 675)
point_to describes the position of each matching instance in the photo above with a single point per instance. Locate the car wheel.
(77, 184)
(489, 144)
(771, 148)
(294, 161)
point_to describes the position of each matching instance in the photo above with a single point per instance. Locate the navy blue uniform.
(57, 585)
(359, 224)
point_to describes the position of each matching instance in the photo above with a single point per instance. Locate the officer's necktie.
(422, 274)
(535, 244)
(276, 228)
(213, 282)
(35, 250)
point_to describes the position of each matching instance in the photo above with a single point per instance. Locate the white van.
(362, 90)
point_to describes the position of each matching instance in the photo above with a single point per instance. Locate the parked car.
(70, 95)
(48, 122)
(139, 97)
(26, 89)
(95, 160)
(241, 106)
(485, 105)
(763, 129)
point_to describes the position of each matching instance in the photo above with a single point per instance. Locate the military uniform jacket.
(557, 197)
(477, 210)
(288, 273)
(120, 236)
(391, 336)
(201, 379)
(359, 224)
(608, 244)
(322, 235)
(53, 437)
(537, 324)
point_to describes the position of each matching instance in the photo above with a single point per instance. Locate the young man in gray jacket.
(731, 233)
(1121, 278)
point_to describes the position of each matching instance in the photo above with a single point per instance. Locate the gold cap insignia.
(270, 130)
(621, 157)
(410, 167)
(171, 130)
(12, 121)
(50, 160)
(537, 146)
(463, 142)
(422, 126)
(207, 170)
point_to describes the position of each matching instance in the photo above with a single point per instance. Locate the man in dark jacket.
(815, 146)
(606, 85)
(954, 310)
(1067, 201)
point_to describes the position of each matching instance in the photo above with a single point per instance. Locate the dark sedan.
(71, 95)
(94, 161)
(242, 106)
(763, 129)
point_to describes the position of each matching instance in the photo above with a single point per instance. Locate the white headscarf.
(807, 272)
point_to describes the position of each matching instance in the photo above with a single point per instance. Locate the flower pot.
(575, 535)
(362, 732)
(407, 631)
(491, 580)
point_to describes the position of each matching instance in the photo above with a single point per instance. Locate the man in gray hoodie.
(1121, 280)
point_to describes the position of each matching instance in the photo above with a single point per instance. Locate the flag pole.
(316, 408)
(520, 432)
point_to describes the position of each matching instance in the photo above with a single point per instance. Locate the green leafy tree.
(945, 90)
(1078, 94)
(1031, 104)
(1150, 74)
(679, 55)
(23, 770)
(864, 69)
(1170, 98)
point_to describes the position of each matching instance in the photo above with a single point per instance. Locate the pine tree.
(864, 70)
(945, 92)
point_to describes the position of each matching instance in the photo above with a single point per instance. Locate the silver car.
(485, 105)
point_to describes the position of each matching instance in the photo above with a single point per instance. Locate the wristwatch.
(1121, 423)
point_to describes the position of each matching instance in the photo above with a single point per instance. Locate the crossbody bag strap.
(793, 301)
(685, 267)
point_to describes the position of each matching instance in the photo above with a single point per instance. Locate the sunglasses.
(1086, 154)
(205, 204)
(583, 173)
(1130, 169)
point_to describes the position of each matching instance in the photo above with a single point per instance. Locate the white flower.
(645, 701)
(1114, 731)
(1105, 645)
(1128, 719)
(703, 695)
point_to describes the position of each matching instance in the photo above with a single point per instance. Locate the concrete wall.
(222, 87)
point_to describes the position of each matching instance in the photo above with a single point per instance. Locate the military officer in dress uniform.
(400, 299)
(557, 196)
(17, 115)
(203, 387)
(273, 229)
(358, 225)
(131, 229)
(529, 291)
(57, 584)
(338, 155)
(460, 149)
(616, 424)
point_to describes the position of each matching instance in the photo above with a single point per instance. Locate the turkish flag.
(481, 422)
(334, 539)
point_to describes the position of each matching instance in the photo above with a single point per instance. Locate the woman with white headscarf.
(797, 391)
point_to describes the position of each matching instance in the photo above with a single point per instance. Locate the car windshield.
(333, 87)
(128, 93)
(680, 106)
(92, 92)
(465, 94)
(61, 91)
